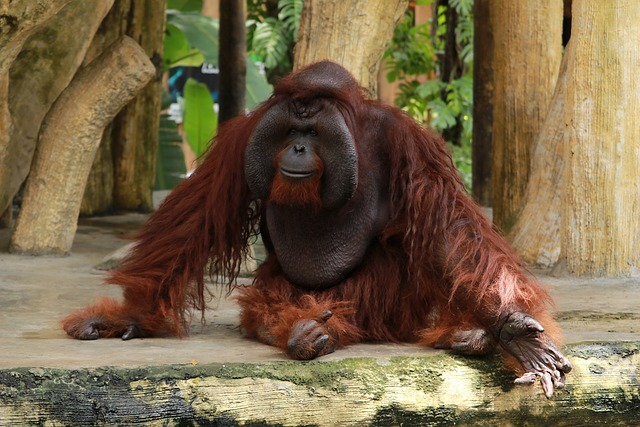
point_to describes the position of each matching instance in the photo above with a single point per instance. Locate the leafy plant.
(416, 52)
(177, 50)
(257, 87)
(271, 42)
(289, 13)
(191, 39)
(200, 32)
(272, 33)
(411, 51)
(170, 164)
(200, 120)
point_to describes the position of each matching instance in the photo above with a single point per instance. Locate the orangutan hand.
(524, 338)
(311, 338)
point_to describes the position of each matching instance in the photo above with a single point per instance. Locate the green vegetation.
(272, 33)
(191, 39)
(445, 100)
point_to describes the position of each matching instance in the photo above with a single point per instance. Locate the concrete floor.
(37, 292)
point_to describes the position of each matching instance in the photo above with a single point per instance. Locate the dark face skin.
(298, 143)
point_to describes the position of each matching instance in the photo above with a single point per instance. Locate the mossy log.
(437, 389)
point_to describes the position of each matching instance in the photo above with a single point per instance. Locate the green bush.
(272, 34)
(446, 106)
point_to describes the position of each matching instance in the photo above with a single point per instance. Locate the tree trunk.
(98, 193)
(601, 203)
(482, 102)
(527, 54)
(353, 33)
(133, 137)
(233, 59)
(536, 233)
(69, 137)
(18, 20)
(46, 65)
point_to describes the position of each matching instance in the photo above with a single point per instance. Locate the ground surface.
(216, 377)
(37, 292)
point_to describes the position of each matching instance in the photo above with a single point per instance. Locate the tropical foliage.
(273, 32)
(191, 39)
(445, 104)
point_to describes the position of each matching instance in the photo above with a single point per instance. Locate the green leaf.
(290, 12)
(177, 50)
(467, 54)
(461, 156)
(200, 31)
(463, 7)
(430, 88)
(271, 41)
(200, 120)
(258, 89)
(464, 86)
(411, 51)
(441, 116)
(170, 164)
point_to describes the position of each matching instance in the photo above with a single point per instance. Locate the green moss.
(157, 394)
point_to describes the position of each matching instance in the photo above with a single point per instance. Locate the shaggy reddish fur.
(304, 194)
(438, 266)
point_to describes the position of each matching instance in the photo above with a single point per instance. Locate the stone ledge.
(436, 389)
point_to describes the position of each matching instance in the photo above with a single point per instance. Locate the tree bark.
(601, 202)
(69, 138)
(98, 193)
(482, 102)
(133, 137)
(536, 233)
(527, 54)
(46, 65)
(18, 20)
(353, 33)
(233, 59)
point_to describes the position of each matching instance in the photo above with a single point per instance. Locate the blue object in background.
(206, 73)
